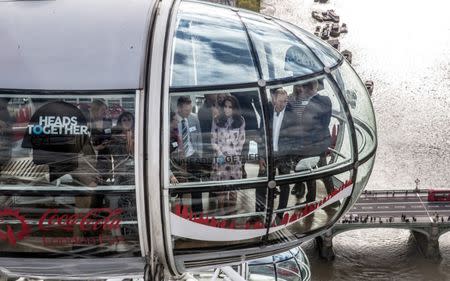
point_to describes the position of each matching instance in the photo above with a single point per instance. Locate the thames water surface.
(404, 47)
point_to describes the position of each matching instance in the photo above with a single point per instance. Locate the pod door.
(218, 173)
(260, 149)
(312, 157)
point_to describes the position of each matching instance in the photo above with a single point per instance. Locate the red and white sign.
(185, 224)
(9, 235)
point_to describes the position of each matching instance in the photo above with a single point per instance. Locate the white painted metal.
(232, 274)
(73, 44)
(155, 163)
(139, 173)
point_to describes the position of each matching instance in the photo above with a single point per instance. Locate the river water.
(404, 47)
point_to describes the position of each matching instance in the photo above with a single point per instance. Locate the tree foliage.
(253, 5)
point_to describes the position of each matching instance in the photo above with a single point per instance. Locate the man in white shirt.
(283, 124)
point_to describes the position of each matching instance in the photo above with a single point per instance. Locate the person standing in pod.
(314, 115)
(227, 139)
(101, 133)
(189, 134)
(59, 135)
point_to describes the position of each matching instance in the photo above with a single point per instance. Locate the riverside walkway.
(402, 209)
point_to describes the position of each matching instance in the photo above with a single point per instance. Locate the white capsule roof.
(73, 44)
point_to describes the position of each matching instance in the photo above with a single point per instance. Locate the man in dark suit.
(206, 115)
(191, 146)
(314, 114)
(284, 127)
(250, 106)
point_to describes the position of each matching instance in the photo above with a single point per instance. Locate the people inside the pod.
(59, 136)
(206, 114)
(122, 149)
(250, 106)
(177, 167)
(228, 138)
(101, 132)
(313, 113)
(284, 126)
(191, 147)
(6, 134)
(174, 145)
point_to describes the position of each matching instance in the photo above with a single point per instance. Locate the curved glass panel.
(362, 178)
(309, 128)
(218, 167)
(264, 272)
(210, 50)
(216, 137)
(289, 270)
(67, 175)
(290, 265)
(280, 53)
(216, 149)
(326, 53)
(360, 107)
(316, 204)
(205, 219)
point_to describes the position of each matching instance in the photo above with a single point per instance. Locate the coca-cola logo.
(8, 234)
(95, 219)
(14, 227)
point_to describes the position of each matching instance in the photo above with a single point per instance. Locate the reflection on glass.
(240, 226)
(210, 50)
(264, 272)
(290, 265)
(69, 141)
(216, 137)
(355, 93)
(360, 106)
(364, 171)
(289, 270)
(309, 128)
(280, 53)
(227, 220)
(311, 205)
(327, 54)
(60, 149)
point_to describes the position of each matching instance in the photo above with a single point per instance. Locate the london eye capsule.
(136, 136)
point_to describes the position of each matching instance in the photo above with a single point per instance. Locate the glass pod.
(169, 134)
(265, 128)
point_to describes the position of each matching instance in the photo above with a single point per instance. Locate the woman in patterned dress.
(227, 139)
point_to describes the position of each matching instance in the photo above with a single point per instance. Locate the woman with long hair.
(100, 127)
(227, 139)
(122, 147)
